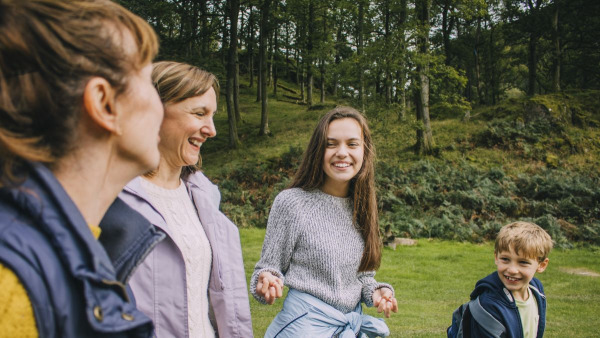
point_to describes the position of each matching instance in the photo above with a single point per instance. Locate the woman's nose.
(342, 151)
(209, 129)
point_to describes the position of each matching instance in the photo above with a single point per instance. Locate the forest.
(484, 88)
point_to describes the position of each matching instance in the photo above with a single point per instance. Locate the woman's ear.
(99, 104)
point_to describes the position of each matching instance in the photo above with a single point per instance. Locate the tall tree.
(232, 74)
(359, 51)
(557, 51)
(264, 33)
(310, 52)
(426, 144)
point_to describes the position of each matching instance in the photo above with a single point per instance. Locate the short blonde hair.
(176, 81)
(524, 238)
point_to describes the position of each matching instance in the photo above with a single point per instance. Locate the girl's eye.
(330, 145)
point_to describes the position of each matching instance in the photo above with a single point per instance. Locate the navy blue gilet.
(69, 277)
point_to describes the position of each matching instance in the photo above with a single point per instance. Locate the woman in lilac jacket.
(193, 283)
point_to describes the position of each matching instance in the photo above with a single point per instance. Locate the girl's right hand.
(269, 287)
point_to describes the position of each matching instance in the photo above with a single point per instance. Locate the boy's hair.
(524, 238)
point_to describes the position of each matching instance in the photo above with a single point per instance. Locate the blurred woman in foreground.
(197, 272)
(79, 118)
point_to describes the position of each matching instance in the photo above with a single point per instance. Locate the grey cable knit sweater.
(313, 246)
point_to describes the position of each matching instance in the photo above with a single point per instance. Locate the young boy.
(511, 294)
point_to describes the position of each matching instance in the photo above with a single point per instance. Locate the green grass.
(434, 277)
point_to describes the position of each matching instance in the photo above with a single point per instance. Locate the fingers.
(394, 304)
(386, 305)
(269, 287)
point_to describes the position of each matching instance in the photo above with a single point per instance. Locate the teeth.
(341, 165)
(196, 143)
(512, 279)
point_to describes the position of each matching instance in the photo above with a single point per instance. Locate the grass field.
(434, 277)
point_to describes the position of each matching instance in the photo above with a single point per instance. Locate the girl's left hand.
(384, 300)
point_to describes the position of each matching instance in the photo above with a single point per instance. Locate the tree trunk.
(250, 44)
(302, 82)
(359, 51)
(532, 64)
(423, 74)
(234, 8)
(264, 32)
(338, 58)
(533, 41)
(480, 97)
(205, 39)
(388, 76)
(419, 145)
(309, 51)
(557, 52)
(225, 38)
(322, 69)
(275, 61)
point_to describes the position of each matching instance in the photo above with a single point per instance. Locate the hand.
(269, 287)
(385, 302)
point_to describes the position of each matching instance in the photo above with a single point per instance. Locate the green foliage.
(465, 203)
(438, 200)
(249, 190)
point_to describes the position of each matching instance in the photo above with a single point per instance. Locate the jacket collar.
(128, 238)
(43, 197)
(493, 283)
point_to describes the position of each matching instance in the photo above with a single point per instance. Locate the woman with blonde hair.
(76, 99)
(193, 284)
(323, 241)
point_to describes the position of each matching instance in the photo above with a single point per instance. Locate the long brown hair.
(176, 82)
(49, 49)
(310, 175)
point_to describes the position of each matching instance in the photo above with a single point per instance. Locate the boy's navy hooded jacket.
(500, 303)
(75, 288)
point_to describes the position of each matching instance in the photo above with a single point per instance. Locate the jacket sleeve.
(369, 285)
(278, 244)
(16, 313)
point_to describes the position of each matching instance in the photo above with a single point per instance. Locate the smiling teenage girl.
(323, 238)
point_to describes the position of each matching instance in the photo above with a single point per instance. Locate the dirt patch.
(580, 272)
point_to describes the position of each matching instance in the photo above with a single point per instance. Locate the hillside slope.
(524, 158)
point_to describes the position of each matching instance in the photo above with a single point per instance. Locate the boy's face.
(516, 271)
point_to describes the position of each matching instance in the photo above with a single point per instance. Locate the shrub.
(450, 201)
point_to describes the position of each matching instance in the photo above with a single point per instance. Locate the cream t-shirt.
(528, 310)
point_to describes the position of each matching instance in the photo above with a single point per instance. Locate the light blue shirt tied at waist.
(304, 315)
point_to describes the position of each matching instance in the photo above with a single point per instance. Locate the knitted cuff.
(254, 281)
(368, 291)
